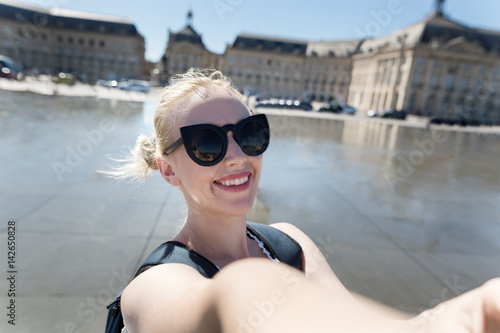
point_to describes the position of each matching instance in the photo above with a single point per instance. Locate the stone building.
(91, 46)
(436, 67)
(185, 49)
(270, 67)
(278, 67)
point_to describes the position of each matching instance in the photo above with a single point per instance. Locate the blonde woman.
(232, 277)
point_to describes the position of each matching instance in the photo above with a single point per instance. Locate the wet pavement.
(407, 216)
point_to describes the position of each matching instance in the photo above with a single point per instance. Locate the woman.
(208, 145)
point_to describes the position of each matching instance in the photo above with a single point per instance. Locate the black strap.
(178, 253)
(279, 244)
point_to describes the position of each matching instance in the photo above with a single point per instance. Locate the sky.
(220, 21)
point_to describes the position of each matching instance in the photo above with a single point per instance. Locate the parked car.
(64, 78)
(135, 85)
(330, 107)
(10, 69)
(348, 109)
(451, 121)
(107, 83)
(373, 113)
(394, 114)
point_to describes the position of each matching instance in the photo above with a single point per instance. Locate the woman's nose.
(234, 154)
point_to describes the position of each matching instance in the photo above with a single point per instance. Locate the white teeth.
(234, 182)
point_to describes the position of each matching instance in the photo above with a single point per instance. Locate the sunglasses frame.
(188, 132)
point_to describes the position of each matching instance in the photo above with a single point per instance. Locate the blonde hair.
(141, 162)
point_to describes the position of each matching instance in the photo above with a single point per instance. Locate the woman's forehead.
(217, 108)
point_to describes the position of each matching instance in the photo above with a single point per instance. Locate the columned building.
(436, 67)
(91, 46)
(265, 66)
(278, 67)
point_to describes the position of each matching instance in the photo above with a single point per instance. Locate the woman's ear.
(167, 172)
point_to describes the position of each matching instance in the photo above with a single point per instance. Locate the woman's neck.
(221, 239)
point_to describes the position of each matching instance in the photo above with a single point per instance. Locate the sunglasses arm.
(174, 146)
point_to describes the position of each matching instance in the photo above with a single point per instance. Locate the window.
(437, 64)
(445, 105)
(420, 62)
(467, 67)
(429, 105)
(463, 84)
(450, 80)
(434, 81)
(417, 78)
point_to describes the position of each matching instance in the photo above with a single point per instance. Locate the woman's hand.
(477, 311)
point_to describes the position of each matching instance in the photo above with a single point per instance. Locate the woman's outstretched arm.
(284, 300)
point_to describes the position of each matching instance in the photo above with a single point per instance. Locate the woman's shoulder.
(298, 235)
(166, 286)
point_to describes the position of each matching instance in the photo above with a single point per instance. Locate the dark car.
(456, 120)
(394, 114)
(10, 69)
(304, 106)
(330, 107)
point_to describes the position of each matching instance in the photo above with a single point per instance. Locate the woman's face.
(214, 188)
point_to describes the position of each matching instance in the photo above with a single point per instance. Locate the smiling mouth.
(233, 182)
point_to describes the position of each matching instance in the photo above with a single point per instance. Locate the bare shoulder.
(298, 235)
(315, 264)
(157, 298)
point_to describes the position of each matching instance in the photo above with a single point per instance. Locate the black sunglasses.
(206, 144)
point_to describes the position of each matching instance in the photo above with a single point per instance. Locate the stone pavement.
(80, 239)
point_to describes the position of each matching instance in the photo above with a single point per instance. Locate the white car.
(135, 85)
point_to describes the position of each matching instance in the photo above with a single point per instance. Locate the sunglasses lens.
(253, 138)
(206, 145)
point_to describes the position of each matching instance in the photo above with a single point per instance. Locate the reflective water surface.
(401, 213)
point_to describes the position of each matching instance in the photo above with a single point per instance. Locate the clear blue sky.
(220, 21)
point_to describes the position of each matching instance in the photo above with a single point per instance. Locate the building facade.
(185, 49)
(90, 46)
(437, 67)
